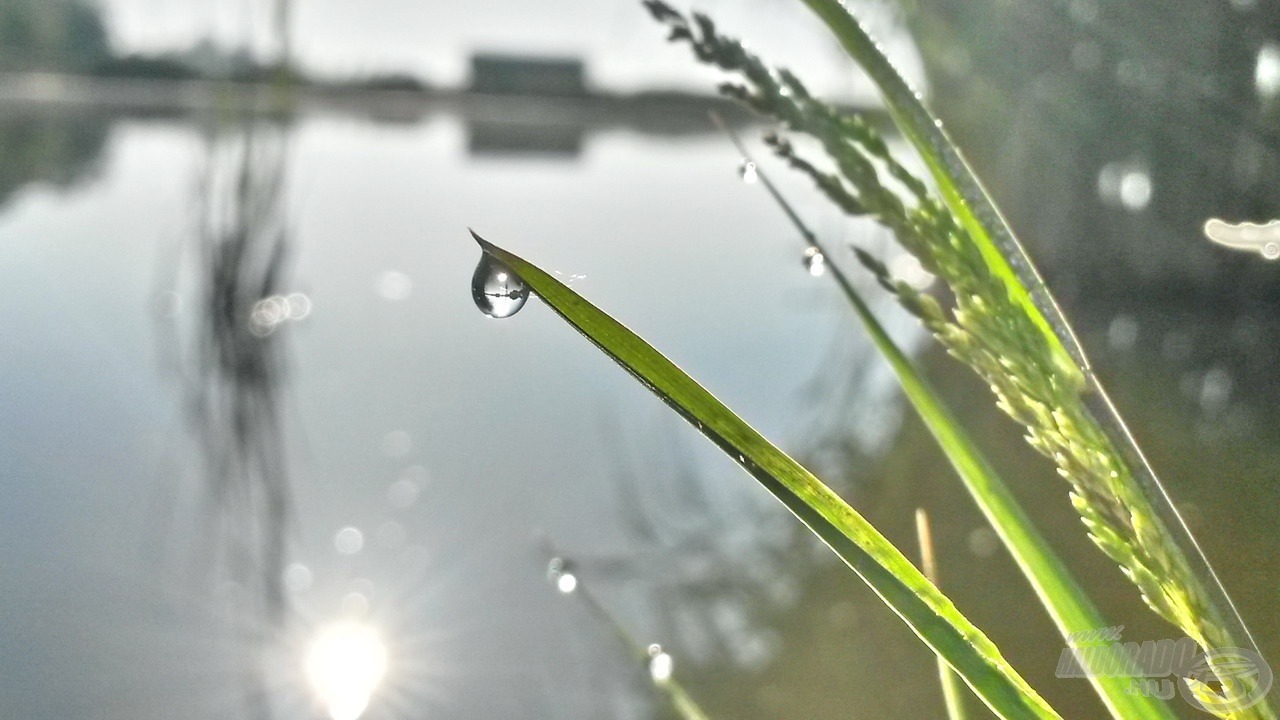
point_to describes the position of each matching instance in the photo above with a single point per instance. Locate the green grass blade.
(683, 703)
(1155, 546)
(1062, 597)
(958, 185)
(881, 565)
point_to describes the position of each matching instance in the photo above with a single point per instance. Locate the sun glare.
(344, 665)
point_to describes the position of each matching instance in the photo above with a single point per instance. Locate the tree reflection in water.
(229, 357)
(41, 147)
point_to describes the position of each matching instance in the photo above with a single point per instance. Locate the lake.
(247, 395)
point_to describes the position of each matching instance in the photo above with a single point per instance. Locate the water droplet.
(748, 172)
(266, 314)
(354, 604)
(661, 665)
(1177, 346)
(498, 292)
(1084, 11)
(1122, 333)
(297, 578)
(1189, 384)
(403, 493)
(1246, 236)
(169, 304)
(1131, 73)
(1246, 332)
(843, 614)
(815, 262)
(907, 268)
(983, 542)
(570, 279)
(1135, 190)
(299, 306)
(784, 591)
(391, 535)
(394, 286)
(1266, 73)
(1125, 185)
(957, 62)
(560, 573)
(271, 312)
(416, 474)
(1215, 390)
(348, 541)
(397, 444)
(1086, 56)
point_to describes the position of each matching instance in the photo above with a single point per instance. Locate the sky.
(434, 38)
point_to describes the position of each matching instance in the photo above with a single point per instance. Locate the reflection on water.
(406, 509)
(504, 138)
(345, 663)
(236, 373)
(227, 353)
(55, 149)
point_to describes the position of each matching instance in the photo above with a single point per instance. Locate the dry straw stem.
(952, 694)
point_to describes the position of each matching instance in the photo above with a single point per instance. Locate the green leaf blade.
(1190, 596)
(882, 566)
(1061, 595)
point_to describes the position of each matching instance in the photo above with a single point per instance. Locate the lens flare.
(344, 665)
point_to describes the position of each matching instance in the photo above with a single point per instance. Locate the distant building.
(525, 75)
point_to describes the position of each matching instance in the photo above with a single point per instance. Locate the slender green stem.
(809, 237)
(675, 693)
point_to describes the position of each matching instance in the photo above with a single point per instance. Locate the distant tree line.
(70, 36)
(64, 35)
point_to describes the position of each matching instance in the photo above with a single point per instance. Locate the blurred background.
(261, 457)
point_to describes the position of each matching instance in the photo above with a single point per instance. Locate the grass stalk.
(1001, 321)
(952, 692)
(669, 686)
(1066, 602)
